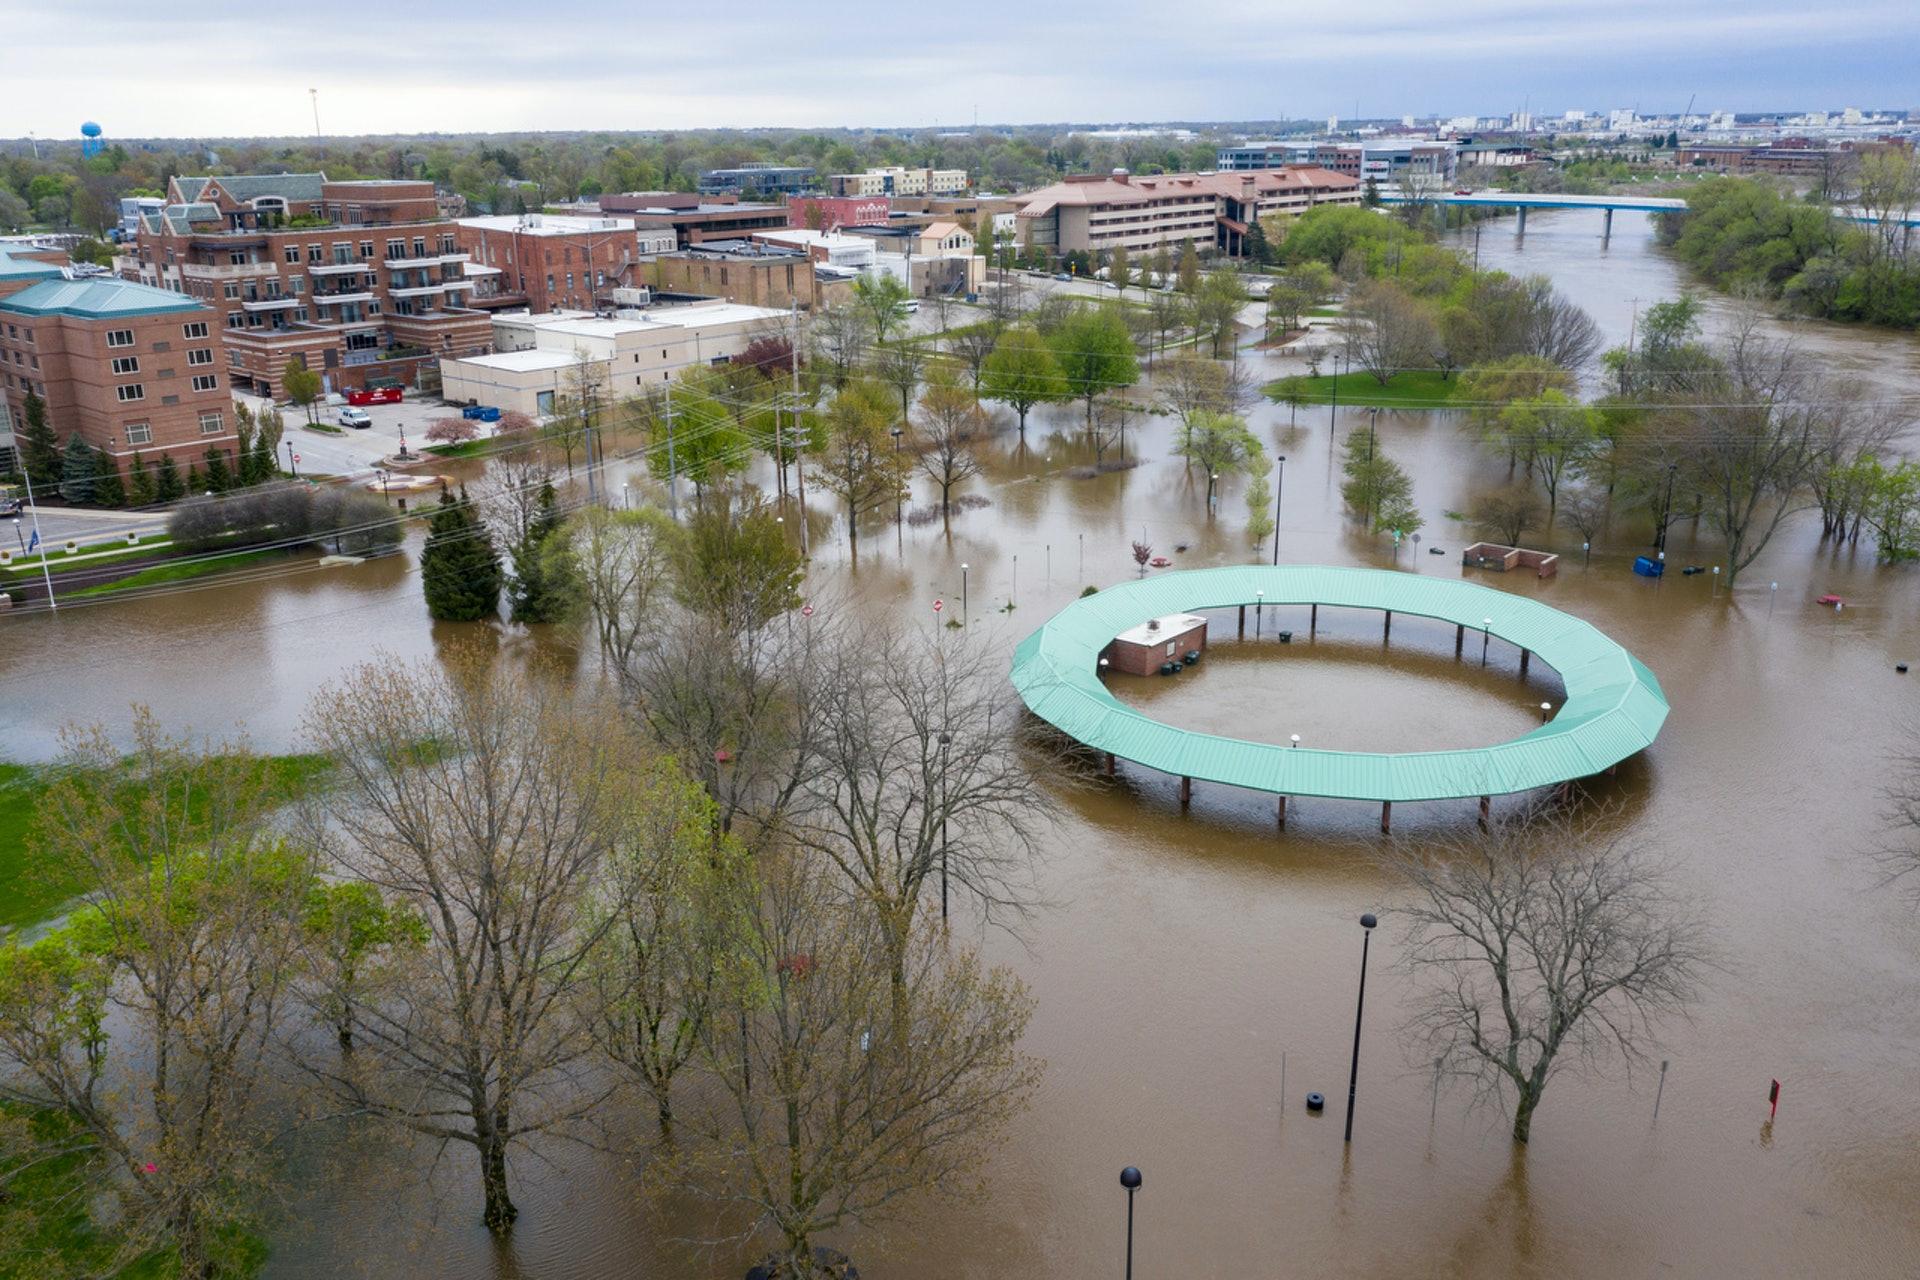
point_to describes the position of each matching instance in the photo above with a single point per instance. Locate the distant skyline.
(227, 68)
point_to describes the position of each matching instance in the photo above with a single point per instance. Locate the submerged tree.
(1541, 946)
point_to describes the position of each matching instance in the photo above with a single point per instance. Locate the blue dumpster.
(1648, 567)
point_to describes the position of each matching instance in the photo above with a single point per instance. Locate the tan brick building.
(360, 281)
(758, 277)
(1096, 214)
(131, 369)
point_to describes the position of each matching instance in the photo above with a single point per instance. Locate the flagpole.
(34, 507)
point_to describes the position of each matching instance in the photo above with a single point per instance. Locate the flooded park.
(1194, 966)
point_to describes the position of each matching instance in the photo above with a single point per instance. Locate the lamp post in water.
(1130, 1179)
(1367, 922)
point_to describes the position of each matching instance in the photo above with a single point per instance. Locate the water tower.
(91, 143)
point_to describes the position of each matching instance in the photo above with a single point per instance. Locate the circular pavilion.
(1614, 706)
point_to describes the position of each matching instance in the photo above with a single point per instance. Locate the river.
(1183, 955)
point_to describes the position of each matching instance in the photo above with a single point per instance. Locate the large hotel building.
(1097, 214)
(362, 282)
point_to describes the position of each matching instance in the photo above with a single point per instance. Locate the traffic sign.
(296, 459)
(806, 611)
(938, 605)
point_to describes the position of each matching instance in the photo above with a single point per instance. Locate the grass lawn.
(182, 571)
(60, 563)
(469, 448)
(32, 892)
(1417, 389)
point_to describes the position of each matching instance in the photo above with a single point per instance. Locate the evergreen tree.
(219, 475)
(140, 485)
(76, 471)
(265, 464)
(166, 480)
(108, 490)
(39, 447)
(459, 569)
(534, 596)
(1257, 248)
(194, 486)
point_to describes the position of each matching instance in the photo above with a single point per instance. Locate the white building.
(852, 253)
(539, 358)
(1621, 121)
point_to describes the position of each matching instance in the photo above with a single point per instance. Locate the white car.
(359, 419)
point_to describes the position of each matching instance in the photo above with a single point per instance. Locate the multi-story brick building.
(830, 213)
(755, 274)
(547, 263)
(130, 368)
(360, 281)
(898, 181)
(1095, 214)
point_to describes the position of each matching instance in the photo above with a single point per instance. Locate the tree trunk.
(500, 1211)
(1523, 1116)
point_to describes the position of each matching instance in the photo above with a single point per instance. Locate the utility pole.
(45, 573)
(673, 474)
(799, 463)
(315, 95)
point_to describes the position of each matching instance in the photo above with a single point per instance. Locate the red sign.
(1773, 1100)
(938, 605)
(806, 611)
(296, 459)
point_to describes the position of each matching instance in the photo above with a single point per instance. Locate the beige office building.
(1097, 214)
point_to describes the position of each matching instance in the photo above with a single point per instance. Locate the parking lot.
(354, 451)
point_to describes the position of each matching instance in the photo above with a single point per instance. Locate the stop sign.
(296, 459)
(938, 605)
(806, 611)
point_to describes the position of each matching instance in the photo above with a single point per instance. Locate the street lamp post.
(1130, 1179)
(899, 494)
(1367, 922)
(293, 460)
(963, 594)
(1666, 510)
(19, 537)
(1279, 481)
(946, 740)
(1259, 611)
(1486, 629)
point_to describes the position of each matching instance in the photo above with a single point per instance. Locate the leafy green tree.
(1188, 272)
(77, 471)
(734, 563)
(1021, 372)
(1220, 445)
(140, 483)
(1120, 268)
(302, 386)
(708, 441)
(167, 485)
(1216, 306)
(857, 462)
(39, 446)
(459, 568)
(1376, 488)
(1256, 246)
(882, 300)
(1892, 507)
(109, 490)
(1095, 355)
(534, 595)
(1557, 435)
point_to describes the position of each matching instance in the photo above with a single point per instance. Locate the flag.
(34, 541)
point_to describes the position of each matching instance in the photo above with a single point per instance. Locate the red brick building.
(547, 262)
(360, 281)
(830, 213)
(1141, 650)
(129, 368)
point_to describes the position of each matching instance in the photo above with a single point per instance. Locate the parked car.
(359, 419)
(374, 395)
(480, 413)
(11, 503)
(910, 306)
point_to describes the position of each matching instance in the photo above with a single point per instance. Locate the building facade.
(545, 262)
(1094, 214)
(362, 282)
(757, 275)
(131, 369)
(897, 181)
(1384, 160)
(830, 213)
(849, 252)
(757, 181)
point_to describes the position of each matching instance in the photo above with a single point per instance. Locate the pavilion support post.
(1386, 815)
(1243, 622)
(1109, 764)
(1523, 220)
(1606, 228)
(1386, 632)
(1524, 655)
(1313, 621)
(1282, 813)
(1459, 637)
(1486, 810)
(1186, 792)
(1613, 768)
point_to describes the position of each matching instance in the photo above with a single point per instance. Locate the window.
(200, 355)
(298, 284)
(300, 314)
(236, 257)
(198, 329)
(211, 424)
(233, 357)
(419, 246)
(293, 253)
(315, 253)
(235, 319)
(131, 391)
(119, 337)
(366, 248)
(232, 290)
(396, 248)
(206, 382)
(139, 433)
(125, 364)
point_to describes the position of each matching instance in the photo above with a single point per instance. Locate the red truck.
(374, 395)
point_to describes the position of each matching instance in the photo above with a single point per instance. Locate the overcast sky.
(243, 67)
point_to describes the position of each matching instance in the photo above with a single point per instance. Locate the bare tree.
(818, 1117)
(1507, 513)
(1396, 331)
(919, 781)
(1899, 856)
(1585, 511)
(1557, 328)
(972, 345)
(618, 563)
(147, 1020)
(577, 409)
(487, 802)
(840, 340)
(1539, 946)
(951, 425)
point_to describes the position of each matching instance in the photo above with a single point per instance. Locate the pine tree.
(1256, 246)
(534, 597)
(166, 480)
(76, 471)
(194, 486)
(265, 464)
(219, 476)
(108, 490)
(459, 569)
(39, 447)
(140, 486)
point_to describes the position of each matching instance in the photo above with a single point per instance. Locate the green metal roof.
(12, 268)
(251, 186)
(1614, 706)
(99, 298)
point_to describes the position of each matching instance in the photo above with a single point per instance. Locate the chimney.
(1120, 175)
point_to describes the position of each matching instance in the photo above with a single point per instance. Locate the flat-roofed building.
(853, 253)
(762, 275)
(129, 368)
(1096, 214)
(1383, 160)
(757, 180)
(830, 213)
(546, 261)
(698, 223)
(895, 180)
(543, 358)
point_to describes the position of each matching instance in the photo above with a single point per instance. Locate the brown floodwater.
(1183, 955)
